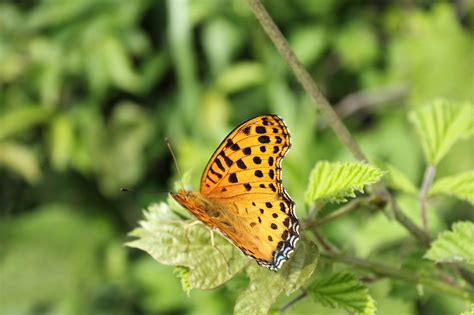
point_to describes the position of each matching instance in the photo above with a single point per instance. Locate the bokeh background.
(90, 90)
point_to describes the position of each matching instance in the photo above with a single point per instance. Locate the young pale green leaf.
(439, 125)
(460, 186)
(340, 290)
(183, 274)
(399, 181)
(370, 308)
(265, 286)
(455, 245)
(335, 182)
(172, 241)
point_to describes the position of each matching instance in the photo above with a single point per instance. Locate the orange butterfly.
(241, 194)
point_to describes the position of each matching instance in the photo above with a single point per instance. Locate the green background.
(90, 90)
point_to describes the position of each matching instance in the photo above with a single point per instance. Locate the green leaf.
(183, 274)
(370, 308)
(340, 290)
(21, 160)
(357, 46)
(308, 42)
(265, 286)
(439, 125)
(172, 241)
(460, 186)
(61, 141)
(399, 181)
(335, 182)
(17, 120)
(240, 76)
(455, 245)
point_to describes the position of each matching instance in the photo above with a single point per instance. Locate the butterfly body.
(241, 194)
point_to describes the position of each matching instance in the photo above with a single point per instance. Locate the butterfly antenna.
(168, 144)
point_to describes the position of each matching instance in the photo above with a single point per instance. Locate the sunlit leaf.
(20, 159)
(172, 241)
(61, 141)
(439, 125)
(220, 40)
(241, 76)
(336, 182)
(455, 245)
(460, 186)
(21, 118)
(357, 45)
(265, 286)
(370, 307)
(118, 65)
(308, 43)
(340, 290)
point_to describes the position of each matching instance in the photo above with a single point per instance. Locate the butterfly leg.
(213, 244)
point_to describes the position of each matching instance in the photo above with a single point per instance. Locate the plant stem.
(387, 271)
(409, 224)
(348, 207)
(427, 181)
(333, 120)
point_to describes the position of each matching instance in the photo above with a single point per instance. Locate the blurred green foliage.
(90, 89)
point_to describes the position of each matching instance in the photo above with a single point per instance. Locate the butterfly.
(241, 193)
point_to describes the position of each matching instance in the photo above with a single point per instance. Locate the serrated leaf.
(399, 181)
(455, 245)
(370, 308)
(183, 274)
(335, 182)
(265, 286)
(460, 186)
(340, 290)
(439, 125)
(172, 241)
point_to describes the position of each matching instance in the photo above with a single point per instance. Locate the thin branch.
(330, 248)
(370, 98)
(427, 181)
(333, 120)
(418, 233)
(348, 207)
(297, 298)
(388, 271)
